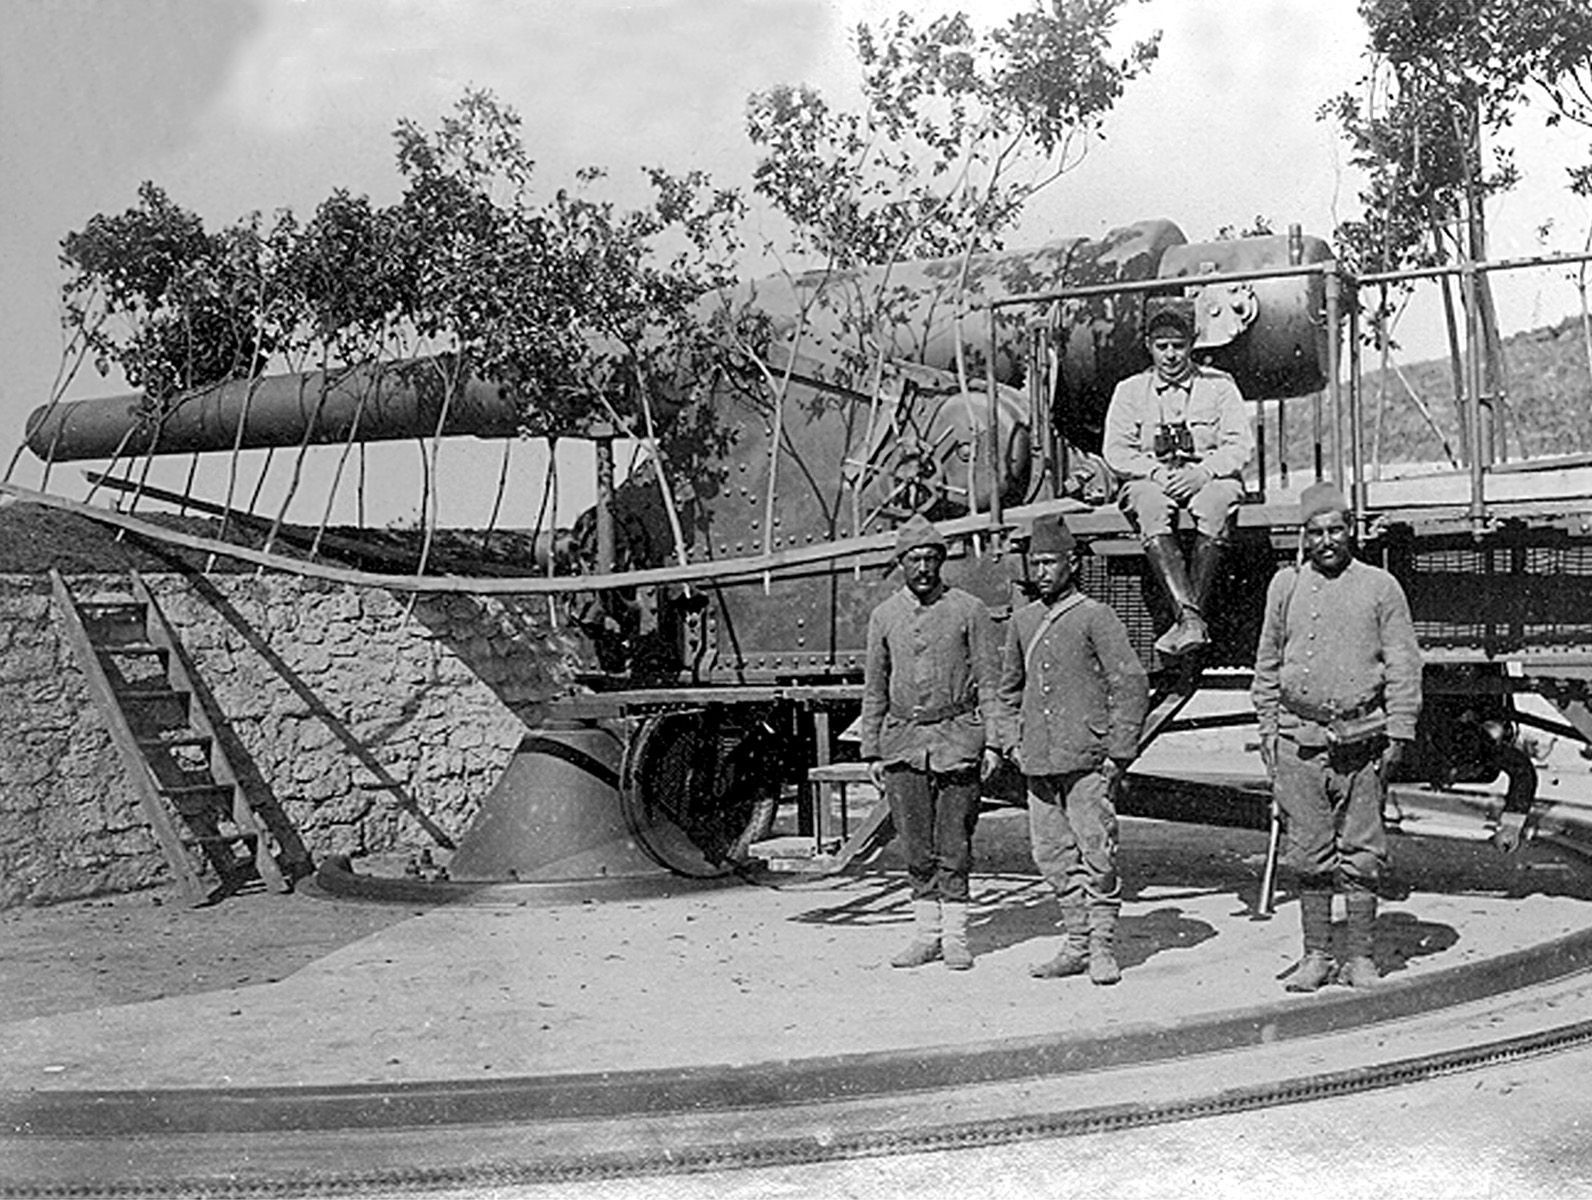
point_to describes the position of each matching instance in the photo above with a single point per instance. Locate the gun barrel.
(370, 403)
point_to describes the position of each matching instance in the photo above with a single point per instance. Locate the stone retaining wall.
(365, 719)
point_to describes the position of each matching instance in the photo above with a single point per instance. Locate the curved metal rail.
(364, 1140)
(738, 1152)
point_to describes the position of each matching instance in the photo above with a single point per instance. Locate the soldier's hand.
(876, 774)
(1185, 481)
(1397, 751)
(1268, 754)
(1511, 832)
(989, 762)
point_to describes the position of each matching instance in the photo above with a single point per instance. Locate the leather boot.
(1166, 562)
(1360, 970)
(953, 936)
(1315, 915)
(1103, 968)
(925, 944)
(1074, 956)
(1204, 567)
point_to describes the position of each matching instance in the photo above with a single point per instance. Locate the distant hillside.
(1548, 412)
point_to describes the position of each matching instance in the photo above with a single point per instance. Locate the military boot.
(925, 944)
(1360, 969)
(1074, 956)
(1204, 568)
(953, 937)
(1103, 968)
(1166, 563)
(1315, 915)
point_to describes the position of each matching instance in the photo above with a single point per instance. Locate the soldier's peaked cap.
(918, 531)
(1051, 536)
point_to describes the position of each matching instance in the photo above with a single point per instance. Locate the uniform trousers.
(1330, 798)
(1153, 511)
(1072, 828)
(935, 813)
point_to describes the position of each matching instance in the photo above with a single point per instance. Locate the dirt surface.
(147, 945)
(117, 950)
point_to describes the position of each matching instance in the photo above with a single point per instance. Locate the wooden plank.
(821, 793)
(300, 536)
(843, 772)
(1171, 702)
(877, 829)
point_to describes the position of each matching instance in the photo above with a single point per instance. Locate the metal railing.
(1343, 399)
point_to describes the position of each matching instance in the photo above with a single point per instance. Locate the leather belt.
(1330, 713)
(918, 715)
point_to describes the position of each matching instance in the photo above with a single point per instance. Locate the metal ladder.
(162, 723)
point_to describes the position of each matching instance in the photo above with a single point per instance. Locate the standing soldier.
(1073, 698)
(1179, 435)
(928, 696)
(1337, 689)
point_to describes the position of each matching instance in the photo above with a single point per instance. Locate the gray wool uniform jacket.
(928, 692)
(1076, 697)
(1341, 643)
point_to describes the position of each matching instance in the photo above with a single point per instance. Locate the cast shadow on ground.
(1008, 911)
(1455, 867)
(1163, 863)
(1402, 936)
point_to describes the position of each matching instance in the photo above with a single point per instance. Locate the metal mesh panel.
(1527, 590)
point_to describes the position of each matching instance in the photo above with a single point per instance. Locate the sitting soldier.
(1178, 434)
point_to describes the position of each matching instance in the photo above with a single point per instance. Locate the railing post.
(994, 431)
(603, 441)
(1356, 415)
(1334, 386)
(1473, 386)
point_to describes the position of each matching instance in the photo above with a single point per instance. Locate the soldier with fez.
(1337, 689)
(928, 697)
(1073, 698)
(1178, 435)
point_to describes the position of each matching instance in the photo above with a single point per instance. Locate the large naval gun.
(728, 616)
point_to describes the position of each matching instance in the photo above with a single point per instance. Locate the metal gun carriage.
(727, 615)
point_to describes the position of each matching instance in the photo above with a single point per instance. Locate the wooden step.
(197, 799)
(220, 839)
(153, 692)
(92, 606)
(185, 739)
(132, 649)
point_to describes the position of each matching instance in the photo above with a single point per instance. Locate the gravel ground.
(123, 949)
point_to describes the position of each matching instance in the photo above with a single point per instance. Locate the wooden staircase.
(162, 723)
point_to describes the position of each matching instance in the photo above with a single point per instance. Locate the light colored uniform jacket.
(1210, 404)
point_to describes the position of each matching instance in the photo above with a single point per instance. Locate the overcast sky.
(238, 105)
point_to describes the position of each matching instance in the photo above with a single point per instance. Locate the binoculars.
(1174, 443)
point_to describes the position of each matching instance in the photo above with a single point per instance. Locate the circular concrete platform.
(709, 1017)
